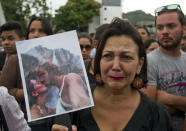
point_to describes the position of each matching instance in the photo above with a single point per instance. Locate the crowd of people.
(138, 82)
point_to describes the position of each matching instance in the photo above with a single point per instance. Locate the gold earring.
(138, 82)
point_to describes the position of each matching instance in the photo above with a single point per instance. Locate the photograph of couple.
(54, 80)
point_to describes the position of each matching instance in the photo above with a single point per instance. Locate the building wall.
(112, 2)
(109, 12)
(94, 24)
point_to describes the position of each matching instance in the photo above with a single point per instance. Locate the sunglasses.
(167, 8)
(87, 47)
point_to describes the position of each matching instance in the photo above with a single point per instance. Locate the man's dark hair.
(12, 25)
(50, 68)
(181, 16)
(30, 87)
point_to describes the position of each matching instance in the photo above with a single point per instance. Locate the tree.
(139, 16)
(76, 15)
(23, 10)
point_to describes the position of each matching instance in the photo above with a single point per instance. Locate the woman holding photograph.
(39, 27)
(120, 67)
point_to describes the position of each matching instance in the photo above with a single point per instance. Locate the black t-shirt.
(91, 77)
(149, 116)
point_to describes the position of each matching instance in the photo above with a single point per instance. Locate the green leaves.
(23, 10)
(76, 14)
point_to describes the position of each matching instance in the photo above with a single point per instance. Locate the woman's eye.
(107, 56)
(124, 57)
(41, 30)
(31, 30)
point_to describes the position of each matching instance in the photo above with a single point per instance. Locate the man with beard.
(167, 65)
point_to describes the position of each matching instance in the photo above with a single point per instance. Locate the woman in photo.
(37, 96)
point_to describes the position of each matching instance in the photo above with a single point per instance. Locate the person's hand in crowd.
(57, 127)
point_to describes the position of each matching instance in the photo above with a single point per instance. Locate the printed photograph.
(53, 75)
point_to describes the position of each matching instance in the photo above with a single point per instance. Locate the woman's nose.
(116, 64)
(36, 34)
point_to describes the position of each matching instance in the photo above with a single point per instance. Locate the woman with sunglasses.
(85, 45)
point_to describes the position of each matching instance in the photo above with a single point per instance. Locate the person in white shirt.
(14, 117)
